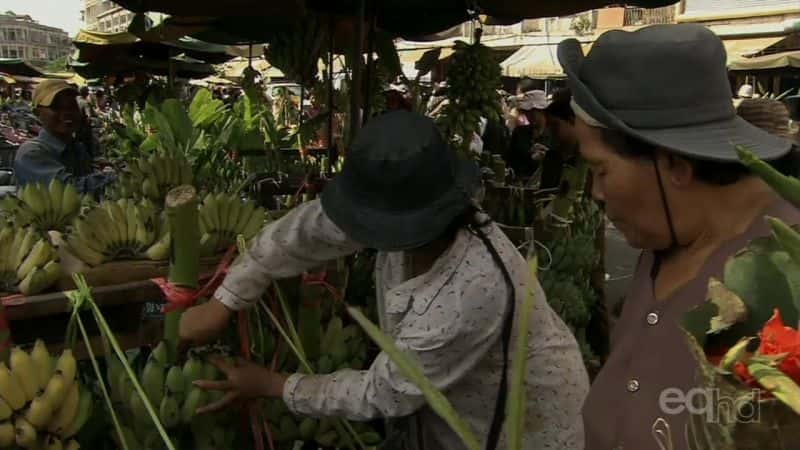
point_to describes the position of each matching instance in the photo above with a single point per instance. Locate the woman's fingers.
(210, 385)
(220, 404)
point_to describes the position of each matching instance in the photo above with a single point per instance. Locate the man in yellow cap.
(55, 153)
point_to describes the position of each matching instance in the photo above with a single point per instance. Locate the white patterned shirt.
(448, 319)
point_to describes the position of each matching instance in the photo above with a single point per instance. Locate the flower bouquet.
(747, 350)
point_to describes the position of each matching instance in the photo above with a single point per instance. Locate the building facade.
(24, 38)
(105, 16)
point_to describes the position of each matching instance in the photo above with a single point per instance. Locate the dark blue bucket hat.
(401, 185)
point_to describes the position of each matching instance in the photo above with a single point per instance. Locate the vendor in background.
(448, 283)
(397, 98)
(523, 147)
(661, 145)
(769, 115)
(559, 138)
(100, 102)
(55, 152)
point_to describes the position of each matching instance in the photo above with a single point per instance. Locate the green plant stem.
(106, 396)
(105, 329)
(289, 321)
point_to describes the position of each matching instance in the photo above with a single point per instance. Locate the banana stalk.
(184, 268)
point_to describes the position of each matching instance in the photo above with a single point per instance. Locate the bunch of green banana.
(296, 51)
(473, 79)
(42, 404)
(225, 216)
(286, 427)
(152, 178)
(28, 262)
(339, 347)
(169, 389)
(46, 207)
(121, 229)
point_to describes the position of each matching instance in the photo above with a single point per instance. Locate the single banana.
(169, 411)
(174, 381)
(67, 412)
(137, 408)
(7, 434)
(38, 256)
(67, 366)
(5, 410)
(89, 235)
(39, 412)
(255, 224)
(160, 249)
(117, 216)
(195, 399)
(56, 389)
(210, 211)
(153, 381)
(25, 246)
(131, 220)
(23, 368)
(42, 362)
(10, 388)
(192, 371)
(52, 272)
(234, 207)
(26, 436)
(85, 407)
(223, 206)
(70, 200)
(33, 197)
(246, 211)
(150, 188)
(80, 248)
(56, 193)
(53, 443)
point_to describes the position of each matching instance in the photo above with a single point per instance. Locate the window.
(11, 35)
(12, 53)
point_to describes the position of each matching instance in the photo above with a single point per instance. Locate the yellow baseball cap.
(46, 91)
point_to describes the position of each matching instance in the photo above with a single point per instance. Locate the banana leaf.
(387, 54)
(179, 120)
(205, 111)
(156, 120)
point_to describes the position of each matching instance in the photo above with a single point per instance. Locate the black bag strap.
(500, 404)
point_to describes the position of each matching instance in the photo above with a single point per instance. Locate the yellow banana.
(5, 410)
(57, 388)
(81, 250)
(23, 368)
(67, 412)
(67, 366)
(70, 200)
(39, 412)
(7, 434)
(56, 193)
(36, 281)
(85, 407)
(42, 363)
(27, 240)
(39, 255)
(53, 443)
(10, 388)
(25, 433)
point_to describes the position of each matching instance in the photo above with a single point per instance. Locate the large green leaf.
(205, 111)
(778, 383)
(179, 120)
(156, 120)
(764, 279)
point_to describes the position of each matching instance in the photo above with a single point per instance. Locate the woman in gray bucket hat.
(655, 120)
(448, 283)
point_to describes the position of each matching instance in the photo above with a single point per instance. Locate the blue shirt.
(45, 157)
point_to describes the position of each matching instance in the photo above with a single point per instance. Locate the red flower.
(777, 339)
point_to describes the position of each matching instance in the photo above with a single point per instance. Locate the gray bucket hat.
(666, 85)
(401, 185)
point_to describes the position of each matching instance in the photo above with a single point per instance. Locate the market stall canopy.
(96, 46)
(15, 66)
(738, 48)
(214, 80)
(234, 69)
(536, 61)
(775, 61)
(69, 77)
(401, 17)
(126, 65)
(7, 79)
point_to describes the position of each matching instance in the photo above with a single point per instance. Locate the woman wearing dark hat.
(448, 281)
(655, 120)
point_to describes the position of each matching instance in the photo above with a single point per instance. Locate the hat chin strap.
(673, 236)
